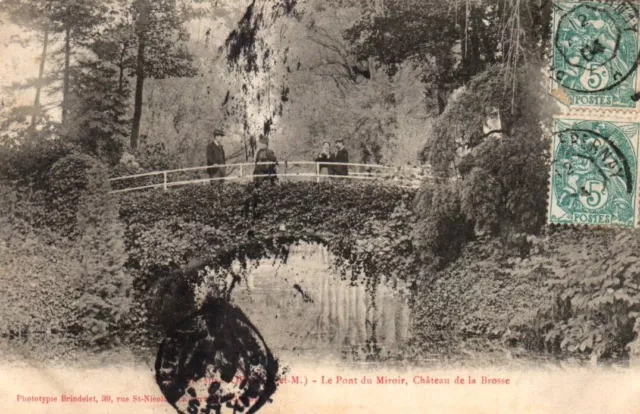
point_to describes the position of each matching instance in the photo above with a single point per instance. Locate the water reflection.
(305, 311)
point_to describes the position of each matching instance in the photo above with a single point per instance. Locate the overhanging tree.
(161, 51)
(453, 41)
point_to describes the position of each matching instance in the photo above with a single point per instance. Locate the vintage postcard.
(319, 206)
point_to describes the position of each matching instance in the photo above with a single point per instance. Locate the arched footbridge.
(406, 176)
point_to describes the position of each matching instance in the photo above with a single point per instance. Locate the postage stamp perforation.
(614, 114)
(550, 180)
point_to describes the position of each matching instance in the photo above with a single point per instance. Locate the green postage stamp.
(594, 172)
(595, 53)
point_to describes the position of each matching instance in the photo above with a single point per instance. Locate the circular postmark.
(594, 172)
(216, 361)
(596, 47)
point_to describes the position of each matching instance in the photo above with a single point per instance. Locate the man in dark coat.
(215, 156)
(265, 154)
(341, 156)
(261, 173)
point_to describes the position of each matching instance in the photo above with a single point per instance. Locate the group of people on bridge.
(330, 162)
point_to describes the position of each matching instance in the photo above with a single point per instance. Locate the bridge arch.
(176, 237)
(307, 297)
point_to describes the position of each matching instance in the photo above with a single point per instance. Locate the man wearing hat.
(264, 154)
(215, 156)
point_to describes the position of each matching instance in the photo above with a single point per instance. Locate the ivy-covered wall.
(372, 218)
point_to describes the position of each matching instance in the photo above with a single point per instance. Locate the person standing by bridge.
(324, 158)
(340, 157)
(216, 156)
(263, 172)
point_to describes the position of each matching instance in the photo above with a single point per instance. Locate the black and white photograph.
(319, 206)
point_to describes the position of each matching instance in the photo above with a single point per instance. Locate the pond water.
(306, 312)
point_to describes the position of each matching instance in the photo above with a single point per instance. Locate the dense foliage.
(100, 249)
(452, 41)
(28, 163)
(367, 227)
(441, 229)
(598, 288)
(135, 261)
(570, 292)
(64, 286)
(95, 56)
(499, 172)
(36, 297)
(469, 307)
(67, 181)
(458, 82)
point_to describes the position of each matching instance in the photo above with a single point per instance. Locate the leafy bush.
(600, 285)
(471, 303)
(163, 294)
(29, 162)
(75, 291)
(501, 175)
(442, 229)
(592, 277)
(148, 158)
(101, 255)
(38, 277)
(155, 157)
(68, 181)
(573, 292)
(37, 302)
(504, 185)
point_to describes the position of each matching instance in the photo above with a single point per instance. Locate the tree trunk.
(473, 62)
(137, 112)
(121, 68)
(140, 63)
(36, 102)
(65, 86)
(442, 102)
(439, 87)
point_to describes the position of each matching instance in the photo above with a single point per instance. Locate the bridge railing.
(286, 171)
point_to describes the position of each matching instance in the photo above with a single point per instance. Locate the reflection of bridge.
(408, 176)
